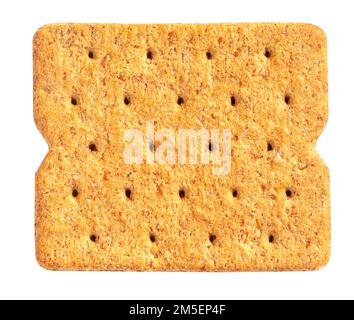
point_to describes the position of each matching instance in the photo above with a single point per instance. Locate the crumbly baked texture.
(265, 82)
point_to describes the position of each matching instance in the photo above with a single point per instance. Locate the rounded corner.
(323, 263)
(326, 262)
(43, 263)
(319, 30)
(40, 30)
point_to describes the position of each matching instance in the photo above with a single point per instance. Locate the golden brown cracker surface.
(267, 83)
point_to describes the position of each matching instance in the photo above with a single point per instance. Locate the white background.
(22, 150)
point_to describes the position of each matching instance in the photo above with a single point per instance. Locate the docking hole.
(149, 55)
(182, 193)
(92, 147)
(91, 54)
(210, 147)
(73, 101)
(268, 53)
(152, 237)
(288, 193)
(180, 100)
(270, 146)
(128, 193)
(212, 238)
(234, 193)
(287, 99)
(126, 101)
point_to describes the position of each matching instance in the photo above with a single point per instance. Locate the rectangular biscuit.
(265, 84)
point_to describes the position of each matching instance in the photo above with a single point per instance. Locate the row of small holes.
(93, 147)
(180, 100)
(212, 238)
(181, 193)
(150, 55)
